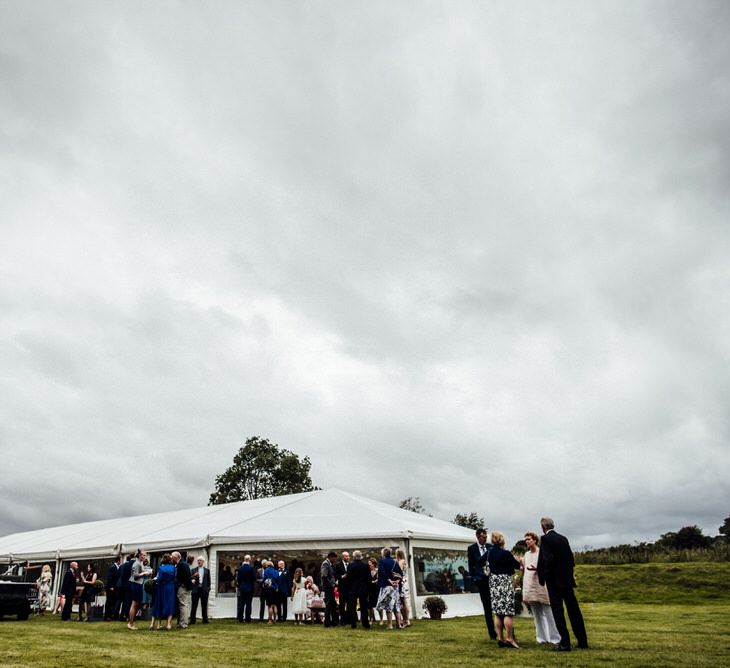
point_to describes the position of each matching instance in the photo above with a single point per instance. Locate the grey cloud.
(482, 242)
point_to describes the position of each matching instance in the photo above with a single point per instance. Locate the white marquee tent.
(297, 526)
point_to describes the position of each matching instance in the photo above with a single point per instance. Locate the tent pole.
(411, 578)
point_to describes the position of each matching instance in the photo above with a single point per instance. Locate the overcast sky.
(475, 252)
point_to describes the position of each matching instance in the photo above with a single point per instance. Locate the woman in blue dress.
(164, 599)
(271, 589)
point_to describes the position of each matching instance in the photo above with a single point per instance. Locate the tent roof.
(322, 515)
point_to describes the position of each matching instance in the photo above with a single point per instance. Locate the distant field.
(692, 583)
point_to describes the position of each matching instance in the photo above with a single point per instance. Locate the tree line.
(686, 544)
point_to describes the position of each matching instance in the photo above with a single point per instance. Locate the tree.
(413, 503)
(520, 547)
(261, 469)
(725, 528)
(470, 521)
(687, 538)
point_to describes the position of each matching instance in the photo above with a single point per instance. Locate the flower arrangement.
(435, 606)
(99, 586)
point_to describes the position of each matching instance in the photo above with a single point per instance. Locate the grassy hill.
(673, 583)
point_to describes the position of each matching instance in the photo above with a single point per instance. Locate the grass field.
(653, 633)
(681, 583)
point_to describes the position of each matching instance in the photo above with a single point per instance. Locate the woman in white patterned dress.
(44, 583)
(299, 597)
(404, 592)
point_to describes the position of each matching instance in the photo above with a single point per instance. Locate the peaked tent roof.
(321, 515)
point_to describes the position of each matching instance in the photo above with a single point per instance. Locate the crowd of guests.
(132, 587)
(377, 588)
(346, 585)
(548, 584)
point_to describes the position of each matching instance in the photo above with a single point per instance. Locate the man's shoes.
(562, 648)
(583, 645)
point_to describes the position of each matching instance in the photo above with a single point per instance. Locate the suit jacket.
(205, 584)
(358, 577)
(555, 561)
(284, 583)
(111, 577)
(477, 561)
(329, 579)
(342, 575)
(183, 576)
(245, 576)
(125, 572)
(68, 586)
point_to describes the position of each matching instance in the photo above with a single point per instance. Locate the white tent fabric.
(319, 516)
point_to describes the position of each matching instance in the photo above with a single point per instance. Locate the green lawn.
(619, 633)
(636, 615)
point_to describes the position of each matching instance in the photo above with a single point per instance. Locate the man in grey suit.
(329, 580)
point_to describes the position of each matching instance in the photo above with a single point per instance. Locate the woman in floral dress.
(502, 566)
(44, 582)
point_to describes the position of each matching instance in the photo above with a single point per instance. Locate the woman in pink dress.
(536, 596)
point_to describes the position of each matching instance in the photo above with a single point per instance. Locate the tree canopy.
(687, 538)
(261, 469)
(470, 521)
(413, 503)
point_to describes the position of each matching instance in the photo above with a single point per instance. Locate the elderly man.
(68, 590)
(358, 583)
(555, 569)
(245, 579)
(183, 585)
(284, 587)
(329, 580)
(201, 589)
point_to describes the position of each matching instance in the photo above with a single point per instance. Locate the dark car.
(16, 596)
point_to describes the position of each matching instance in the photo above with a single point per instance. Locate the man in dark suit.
(68, 590)
(245, 579)
(183, 585)
(555, 570)
(284, 588)
(343, 584)
(201, 590)
(329, 581)
(124, 594)
(358, 582)
(111, 590)
(478, 553)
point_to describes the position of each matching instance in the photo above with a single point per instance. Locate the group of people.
(346, 585)
(77, 583)
(176, 589)
(548, 585)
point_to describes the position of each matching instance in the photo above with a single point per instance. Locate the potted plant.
(435, 606)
